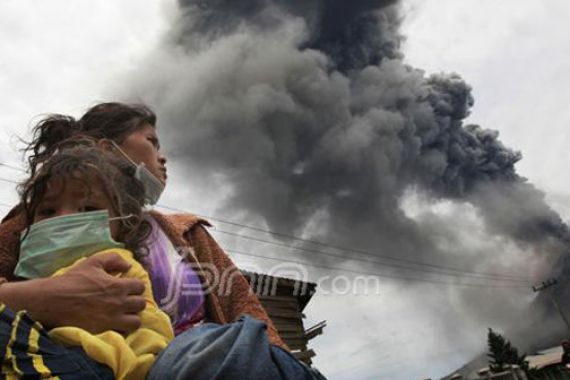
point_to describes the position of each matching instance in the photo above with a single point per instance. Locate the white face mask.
(153, 187)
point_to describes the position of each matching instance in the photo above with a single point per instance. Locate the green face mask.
(58, 242)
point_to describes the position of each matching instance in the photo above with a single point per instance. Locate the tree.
(502, 353)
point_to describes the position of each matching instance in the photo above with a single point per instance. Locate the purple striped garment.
(176, 287)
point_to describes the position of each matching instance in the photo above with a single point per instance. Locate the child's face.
(71, 197)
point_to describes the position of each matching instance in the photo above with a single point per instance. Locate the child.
(82, 202)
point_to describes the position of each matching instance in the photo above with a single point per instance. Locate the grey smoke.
(307, 111)
(348, 32)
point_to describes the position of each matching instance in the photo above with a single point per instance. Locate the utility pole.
(545, 285)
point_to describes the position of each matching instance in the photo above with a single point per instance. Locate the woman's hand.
(87, 296)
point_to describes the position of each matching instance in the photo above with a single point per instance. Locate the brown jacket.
(228, 293)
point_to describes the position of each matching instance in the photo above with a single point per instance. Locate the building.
(284, 300)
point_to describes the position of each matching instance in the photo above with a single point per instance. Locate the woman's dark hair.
(114, 121)
(81, 159)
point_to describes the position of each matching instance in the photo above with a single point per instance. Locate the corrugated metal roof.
(286, 279)
(545, 358)
(264, 285)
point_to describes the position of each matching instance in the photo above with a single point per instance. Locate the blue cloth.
(238, 350)
(25, 339)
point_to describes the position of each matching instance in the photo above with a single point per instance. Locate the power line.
(474, 275)
(362, 272)
(438, 268)
(9, 181)
(391, 276)
(362, 252)
(13, 167)
(376, 256)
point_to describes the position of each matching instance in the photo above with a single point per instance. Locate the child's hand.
(87, 296)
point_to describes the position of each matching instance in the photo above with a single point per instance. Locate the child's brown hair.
(83, 160)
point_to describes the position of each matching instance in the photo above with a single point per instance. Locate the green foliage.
(502, 353)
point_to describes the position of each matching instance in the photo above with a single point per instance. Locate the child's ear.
(107, 145)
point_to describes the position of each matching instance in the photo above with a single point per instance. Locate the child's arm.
(130, 356)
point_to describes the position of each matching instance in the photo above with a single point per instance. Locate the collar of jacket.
(177, 227)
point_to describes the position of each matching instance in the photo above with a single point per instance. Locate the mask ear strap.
(123, 152)
(122, 217)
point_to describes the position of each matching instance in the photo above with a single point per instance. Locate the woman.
(97, 301)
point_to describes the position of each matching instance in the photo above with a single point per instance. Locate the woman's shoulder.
(183, 221)
(178, 227)
(15, 215)
(10, 229)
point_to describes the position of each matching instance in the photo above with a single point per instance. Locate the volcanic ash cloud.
(308, 115)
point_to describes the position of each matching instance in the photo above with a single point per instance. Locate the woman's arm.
(88, 297)
(129, 356)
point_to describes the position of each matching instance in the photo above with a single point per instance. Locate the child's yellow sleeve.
(131, 356)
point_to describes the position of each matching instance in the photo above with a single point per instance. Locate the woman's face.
(142, 146)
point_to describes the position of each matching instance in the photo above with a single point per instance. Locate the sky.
(512, 54)
(58, 56)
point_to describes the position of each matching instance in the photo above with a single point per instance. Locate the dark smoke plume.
(308, 113)
(348, 32)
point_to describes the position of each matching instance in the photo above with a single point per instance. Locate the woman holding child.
(240, 343)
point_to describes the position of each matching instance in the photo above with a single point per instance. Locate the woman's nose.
(161, 159)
